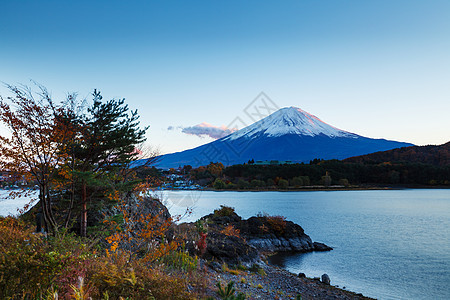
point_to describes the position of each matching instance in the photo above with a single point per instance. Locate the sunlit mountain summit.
(287, 121)
(288, 135)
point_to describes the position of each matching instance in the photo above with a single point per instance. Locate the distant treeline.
(430, 155)
(416, 165)
(319, 172)
(339, 172)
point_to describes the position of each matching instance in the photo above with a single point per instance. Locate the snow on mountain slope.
(287, 134)
(290, 120)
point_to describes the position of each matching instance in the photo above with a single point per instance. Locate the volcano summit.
(289, 134)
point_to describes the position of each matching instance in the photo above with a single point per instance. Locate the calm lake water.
(387, 244)
(10, 206)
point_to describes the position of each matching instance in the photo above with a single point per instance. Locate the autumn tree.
(35, 148)
(68, 148)
(215, 169)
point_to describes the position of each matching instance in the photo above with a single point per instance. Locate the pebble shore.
(276, 283)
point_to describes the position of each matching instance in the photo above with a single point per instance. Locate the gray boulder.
(325, 279)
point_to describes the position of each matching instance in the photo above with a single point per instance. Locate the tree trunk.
(83, 210)
(44, 214)
(50, 223)
(72, 199)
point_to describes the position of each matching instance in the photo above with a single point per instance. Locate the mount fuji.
(289, 134)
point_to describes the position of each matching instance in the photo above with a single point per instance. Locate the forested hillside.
(417, 165)
(431, 154)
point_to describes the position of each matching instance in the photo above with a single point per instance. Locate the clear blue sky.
(375, 68)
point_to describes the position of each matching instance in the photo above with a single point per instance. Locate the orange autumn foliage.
(231, 231)
(35, 150)
(140, 233)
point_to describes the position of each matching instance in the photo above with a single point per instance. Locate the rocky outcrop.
(232, 239)
(148, 206)
(220, 246)
(321, 247)
(277, 244)
(231, 249)
(275, 234)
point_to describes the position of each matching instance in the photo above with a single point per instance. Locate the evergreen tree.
(106, 145)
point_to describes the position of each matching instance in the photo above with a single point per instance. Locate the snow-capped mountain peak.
(289, 134)
(290, 120)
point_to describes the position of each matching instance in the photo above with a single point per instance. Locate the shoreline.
(321, 189)
(277, 283)
(242, 256)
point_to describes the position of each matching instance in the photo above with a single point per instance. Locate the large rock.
(321, 247)
(154, 207)
(274, 234)
(135, 207)
(149, 206)
(277, 244)
(262, 233)
(230, 249)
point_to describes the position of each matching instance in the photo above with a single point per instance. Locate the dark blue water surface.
(390, 244)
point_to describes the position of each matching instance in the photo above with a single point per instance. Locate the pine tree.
(107, 144)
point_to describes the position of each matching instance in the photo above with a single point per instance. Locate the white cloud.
(205, 129)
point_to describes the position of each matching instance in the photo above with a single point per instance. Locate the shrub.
(283, 183)
(306, 180)
(224, 211)
(21, 261)
(231, 231)
(219, 184)
(344, 182)
(117, 277)
(227, 292)
(226, 269)
(140, 235)
(32, 265)
(242, 184)
(255, 183)
(231, 186)
(201, 245)
(276, 223)
(81, 291)
(200, 226)
(257, 269)
(180, 260)
(297, 181)
(242, 267)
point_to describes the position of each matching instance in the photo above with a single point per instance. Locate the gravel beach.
(276, 283)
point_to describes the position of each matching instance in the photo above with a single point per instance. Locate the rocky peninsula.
(235, 249)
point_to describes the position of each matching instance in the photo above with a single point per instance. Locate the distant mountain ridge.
(437, 155)
(289, 134)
